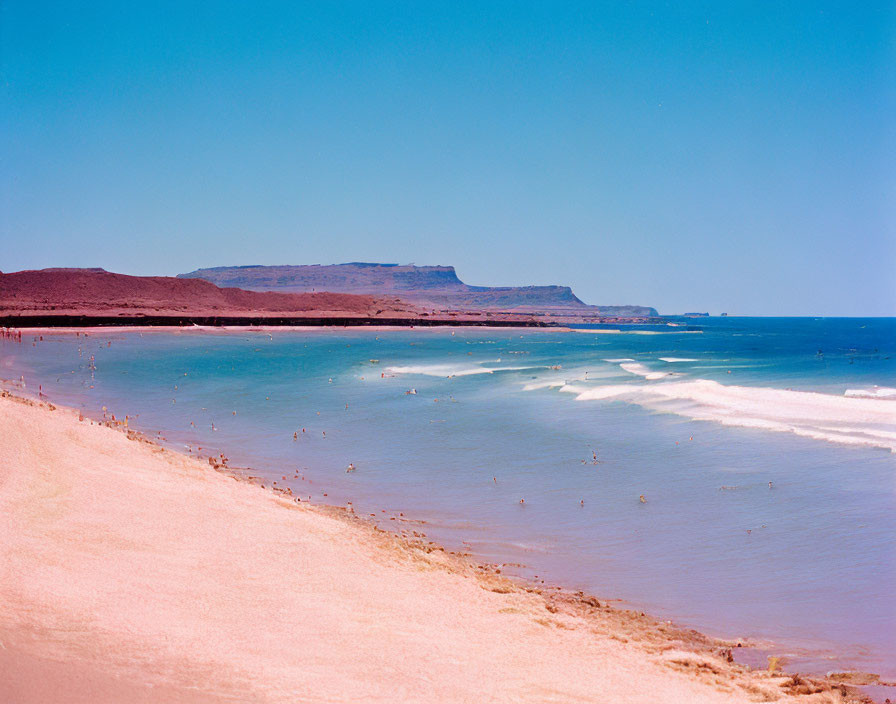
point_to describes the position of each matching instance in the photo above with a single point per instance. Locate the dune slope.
(131, 573)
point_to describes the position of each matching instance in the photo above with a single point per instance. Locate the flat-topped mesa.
(352, 277)
(432, 286)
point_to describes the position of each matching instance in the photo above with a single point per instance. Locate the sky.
(691, 156)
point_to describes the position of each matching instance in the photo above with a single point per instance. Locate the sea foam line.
(612, 331)
(874, 392)
(641, 370)
(842, 419)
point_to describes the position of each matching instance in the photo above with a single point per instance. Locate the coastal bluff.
(426, 286)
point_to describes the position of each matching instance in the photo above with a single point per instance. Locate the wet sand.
(132, 573)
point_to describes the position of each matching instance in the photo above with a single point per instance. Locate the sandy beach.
(132, 573)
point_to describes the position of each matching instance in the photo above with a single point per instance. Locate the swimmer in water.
(642, 499)
(351, 467)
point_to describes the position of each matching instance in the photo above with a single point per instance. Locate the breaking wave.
(842, 419)
(641, 370)
(874, 392)
(613, 331)
(534, 385)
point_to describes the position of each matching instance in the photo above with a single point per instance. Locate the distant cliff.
(434, 286)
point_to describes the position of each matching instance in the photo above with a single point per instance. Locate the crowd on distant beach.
(11, 334)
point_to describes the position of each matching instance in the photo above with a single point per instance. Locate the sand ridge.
(132, 573)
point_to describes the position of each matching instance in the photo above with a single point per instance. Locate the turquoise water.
(699, 422)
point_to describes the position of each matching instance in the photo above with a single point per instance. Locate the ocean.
(736, 475)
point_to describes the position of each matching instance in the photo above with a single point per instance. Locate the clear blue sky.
(721, 156)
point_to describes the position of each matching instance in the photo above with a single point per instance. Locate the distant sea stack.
(433, 286)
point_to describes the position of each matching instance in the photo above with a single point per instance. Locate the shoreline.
(212, 329)
(667, 646)
(27, 322)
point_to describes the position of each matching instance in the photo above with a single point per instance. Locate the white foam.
(874, 392)
(573, 389)
(609, 331)
(842, 419)
(618, 361)
(641, 370)
(555, 378)
(672, 360)
(534, 385)
(635, 368)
